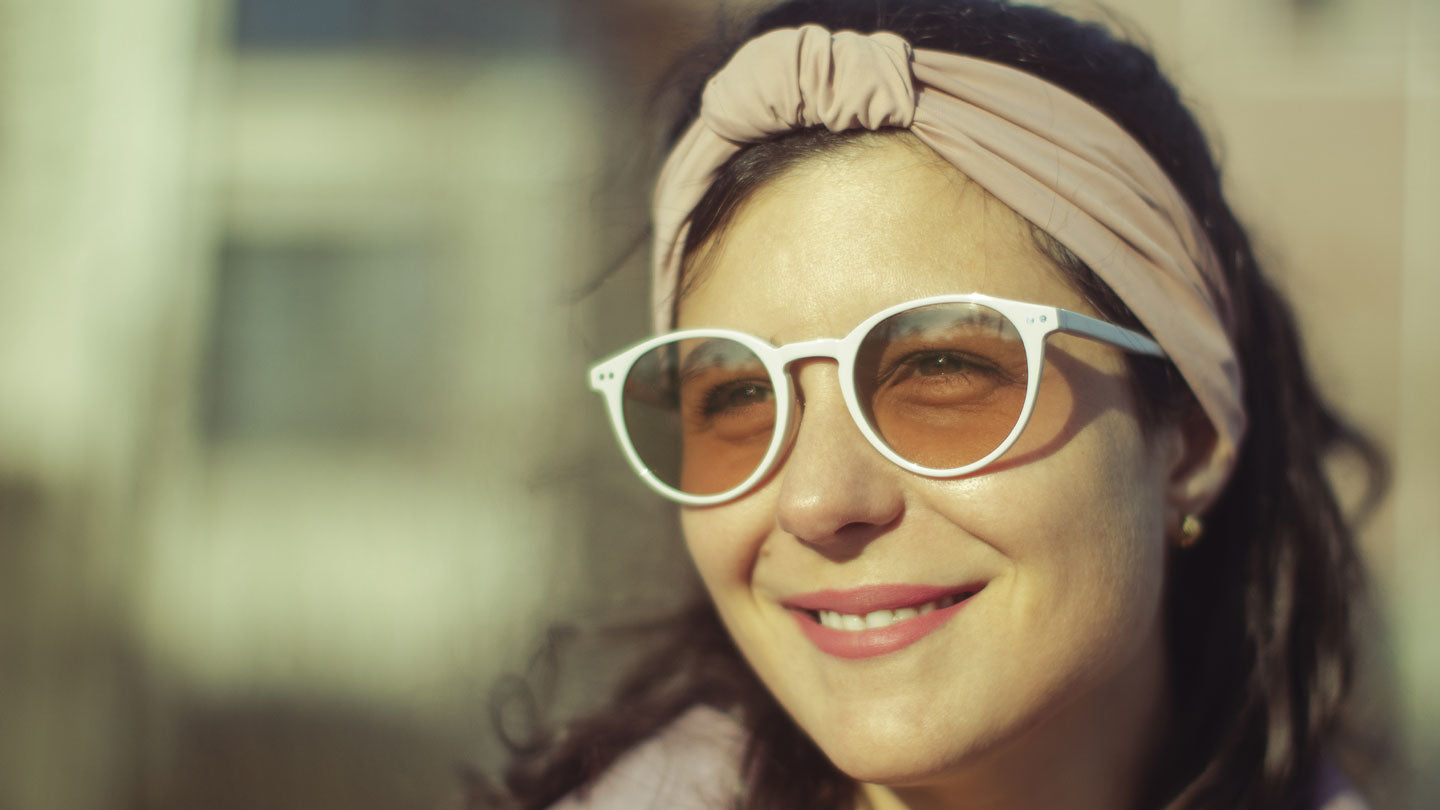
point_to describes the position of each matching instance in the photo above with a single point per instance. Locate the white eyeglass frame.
(1034, 322)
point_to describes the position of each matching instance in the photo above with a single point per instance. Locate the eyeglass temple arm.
(1128, 339)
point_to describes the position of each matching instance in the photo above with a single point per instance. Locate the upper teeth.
(880, 618)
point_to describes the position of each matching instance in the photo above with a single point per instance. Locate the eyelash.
(965, 364)
(710, 405)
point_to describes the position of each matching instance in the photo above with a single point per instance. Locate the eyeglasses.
(940, 386)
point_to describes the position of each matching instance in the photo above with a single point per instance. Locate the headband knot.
(808, 77)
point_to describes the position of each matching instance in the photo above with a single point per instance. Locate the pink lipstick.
(865, 622)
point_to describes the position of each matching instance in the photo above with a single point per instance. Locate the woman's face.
(1059, 651)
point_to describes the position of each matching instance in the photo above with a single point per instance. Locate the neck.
(1096, 753)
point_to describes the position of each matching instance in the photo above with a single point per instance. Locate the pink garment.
(694, 764)
(1045, 153)
(1334, 791)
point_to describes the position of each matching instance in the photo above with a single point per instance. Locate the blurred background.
(296, 461)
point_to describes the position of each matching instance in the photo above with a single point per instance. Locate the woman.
(995, 452)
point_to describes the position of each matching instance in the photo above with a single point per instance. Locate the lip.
(880, 640)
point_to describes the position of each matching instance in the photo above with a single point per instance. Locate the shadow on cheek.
(1073, 393)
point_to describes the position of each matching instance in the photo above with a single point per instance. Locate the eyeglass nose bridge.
(837, 349)
(819, 349)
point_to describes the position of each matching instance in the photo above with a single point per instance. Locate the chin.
(894, 754)
(894, 767)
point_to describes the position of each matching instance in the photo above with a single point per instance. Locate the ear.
(1198, 467)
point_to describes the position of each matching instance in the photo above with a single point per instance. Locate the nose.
(836, 492)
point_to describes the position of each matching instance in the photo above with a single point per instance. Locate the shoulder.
(692, 764)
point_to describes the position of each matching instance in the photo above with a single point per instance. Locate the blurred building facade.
(295, 458)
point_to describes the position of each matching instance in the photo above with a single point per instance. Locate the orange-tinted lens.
(943, 385)
(700, 413)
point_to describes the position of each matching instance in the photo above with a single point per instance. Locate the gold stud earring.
(1191, 527)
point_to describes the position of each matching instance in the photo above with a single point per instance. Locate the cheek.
(1092, 561)
(1093, 528)
(727, 544)
(1106, 569)
(1081, 535)
(725, 541)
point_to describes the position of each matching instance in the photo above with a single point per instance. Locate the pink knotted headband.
(1047, 154)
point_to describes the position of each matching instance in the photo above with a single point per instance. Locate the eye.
(737, 395)
(943, 378)
(937, 364)
(735, 411)
(942, 364)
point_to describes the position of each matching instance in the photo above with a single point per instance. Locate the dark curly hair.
(1261, 673)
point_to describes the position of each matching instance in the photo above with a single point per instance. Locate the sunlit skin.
(1048, 688)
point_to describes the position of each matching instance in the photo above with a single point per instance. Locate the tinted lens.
(700, 413)
(943, 385)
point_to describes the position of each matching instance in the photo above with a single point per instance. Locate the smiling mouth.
(876, 619)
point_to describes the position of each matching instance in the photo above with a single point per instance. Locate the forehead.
(842, 236)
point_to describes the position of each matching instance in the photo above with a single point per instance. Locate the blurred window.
(322, 340)
(418, 24)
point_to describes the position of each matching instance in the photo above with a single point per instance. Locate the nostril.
(847, 543)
